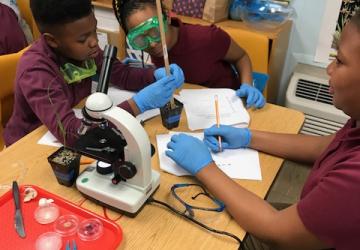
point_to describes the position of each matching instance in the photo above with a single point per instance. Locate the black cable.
(152, 200)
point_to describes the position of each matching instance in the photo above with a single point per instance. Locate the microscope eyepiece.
(110, 52)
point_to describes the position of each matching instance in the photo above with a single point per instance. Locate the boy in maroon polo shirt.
(12, 37)
(205, 53)
(48, 84)
(328, 212)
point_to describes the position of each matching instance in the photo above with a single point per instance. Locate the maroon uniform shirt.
(200, 52)
(330, 200)
(12, 38)
(43, 97)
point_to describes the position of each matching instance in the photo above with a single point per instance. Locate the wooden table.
(154, 227)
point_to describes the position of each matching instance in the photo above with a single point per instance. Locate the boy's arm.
(303, 148)
(284, 228)
(130, 78)
(130, 106)
(125, 77)
(51, 101)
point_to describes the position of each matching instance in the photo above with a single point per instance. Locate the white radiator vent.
(313, 91)
(310, 95)
(318, 126)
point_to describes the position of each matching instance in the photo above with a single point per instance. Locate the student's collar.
(352, 133)
(73, 73)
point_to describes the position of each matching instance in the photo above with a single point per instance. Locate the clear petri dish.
(90, 229)
(66, 225)
(46, 214)
(48, 240)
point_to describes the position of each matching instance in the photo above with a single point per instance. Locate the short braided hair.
(57, 12)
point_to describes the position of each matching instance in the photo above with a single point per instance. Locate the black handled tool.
(19, 223)
(109, 56)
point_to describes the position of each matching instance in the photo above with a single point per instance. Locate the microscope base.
(122, 197)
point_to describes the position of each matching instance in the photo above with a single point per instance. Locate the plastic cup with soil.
(65, 164)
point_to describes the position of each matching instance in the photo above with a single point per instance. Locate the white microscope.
(127, 187)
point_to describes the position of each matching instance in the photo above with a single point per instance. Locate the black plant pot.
(170, 116)
(65, 164)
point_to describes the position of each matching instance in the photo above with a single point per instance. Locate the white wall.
(303, 39)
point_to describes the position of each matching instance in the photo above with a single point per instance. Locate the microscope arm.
(137, 151)
(130, 195)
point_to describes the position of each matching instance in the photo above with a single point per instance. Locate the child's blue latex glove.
(188, 152)
(175, 71)
(231, 137)
(128, 60)
(155, 95)
(252, 94)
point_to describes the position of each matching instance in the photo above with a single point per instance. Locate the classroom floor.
(289, 182)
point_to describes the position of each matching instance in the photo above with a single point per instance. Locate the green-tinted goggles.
(73, 73)
(145, 33)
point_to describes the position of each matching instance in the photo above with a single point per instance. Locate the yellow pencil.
(218, 119)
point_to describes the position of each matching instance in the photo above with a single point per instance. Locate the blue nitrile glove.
(252, 94)
(188, 152)
(231, 137)
(155, 95)
(175, 71)
(128, 60)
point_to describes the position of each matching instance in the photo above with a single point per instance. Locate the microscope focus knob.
(127, 170)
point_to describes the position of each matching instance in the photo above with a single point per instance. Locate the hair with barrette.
(124, 8)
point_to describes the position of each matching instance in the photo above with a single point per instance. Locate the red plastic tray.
(9, 239)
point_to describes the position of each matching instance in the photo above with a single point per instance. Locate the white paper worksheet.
(235, 163)
(199, 106)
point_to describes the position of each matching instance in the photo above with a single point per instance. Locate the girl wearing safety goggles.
(206, 54)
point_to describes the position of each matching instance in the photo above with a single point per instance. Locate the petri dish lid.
(90, 229)
(48, 240)
(46, 214)
(66, 225)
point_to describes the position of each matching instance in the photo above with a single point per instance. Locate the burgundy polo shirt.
(200, 52)
(43, 97)
(330, 200)
(12, 37)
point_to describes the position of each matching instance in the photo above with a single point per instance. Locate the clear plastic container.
(45, 214)
(235, 9)
(90, 229)
(48, 240)
(265, 14)
(66, 225)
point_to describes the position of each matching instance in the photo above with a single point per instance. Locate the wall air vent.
(309, 93)
(313, 91)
